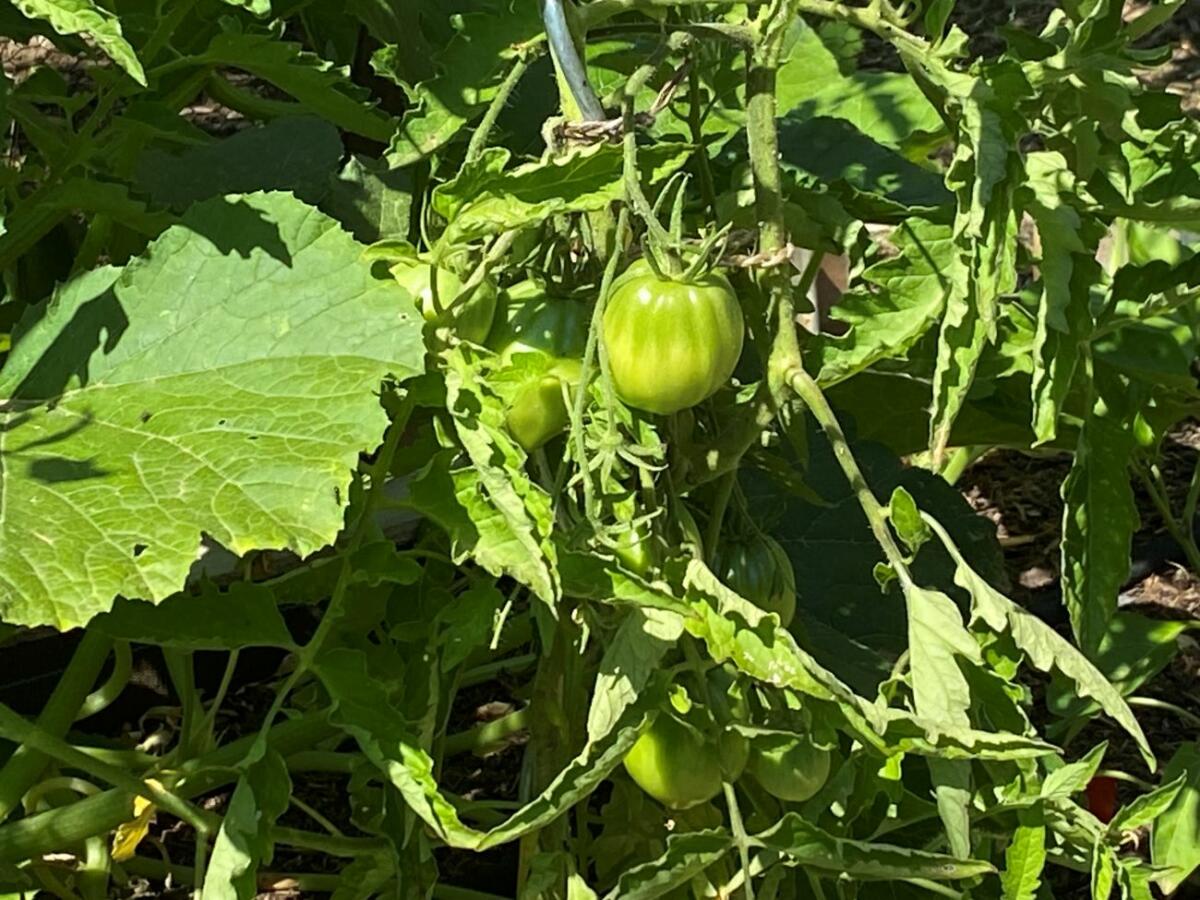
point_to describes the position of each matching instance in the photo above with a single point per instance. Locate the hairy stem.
(480, 138)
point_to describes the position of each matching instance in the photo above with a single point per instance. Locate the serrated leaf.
(295, 154)
(261, 797)
(1025, 858)
(1133, 650)
(630, 660)
(372, 201)
(1175, 839)
(1068, 270)
(687, 855)
(246, 615)
(495, 484)
(1099, 516)
(1073, 778)
(1103, 871)
(884, 324)
(874, 182)
(806, 845)
(470, 68)
(1146, 808)
(365, 712)
(937, 640)
(487, 198)
(324, 89)
(85, 17)
(887, 106)
(223, 383)
(1045, 649)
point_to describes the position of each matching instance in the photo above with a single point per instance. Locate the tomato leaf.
(85, 17)
(687, 855)
(261, 797)
(487, 197)
(885, 323)
(1025, 858)
(806, 845)
(1175, 839)
(1045, 649)
(1099, 516)
(233, 371)
(245, 615)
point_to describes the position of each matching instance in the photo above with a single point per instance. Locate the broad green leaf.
(85, 17)
(886, 106)
(687, 855)
(1099, 517)
(1073, 778)
(487, 197)
(298, 155)
(372, 201)
(806, 845)
(1025, 858)
(261, 797)
(223, 383)
(364, 710)
(1133, 650)
(1148, 807)
(324, 89)
(486, 45)
(1175, 839)
(630, 660)
(245, 615)
(937, 640)
(495, 484)
(1045, 649)
(874, 182)
(885, 323)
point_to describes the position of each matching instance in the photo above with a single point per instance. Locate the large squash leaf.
(223, 383)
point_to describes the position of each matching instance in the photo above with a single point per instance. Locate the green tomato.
(674, 764)
(789, 767)
(760, 571)
(637, 550)
(538, 411)
(671, 344)
(531, 322)
(472, 319)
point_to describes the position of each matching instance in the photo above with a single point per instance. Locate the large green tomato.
(472, 319)
(674, 764)
(671, 344)
(760, 571)
(530, 322)
(789, 767)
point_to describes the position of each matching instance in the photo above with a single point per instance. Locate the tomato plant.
(401, 402)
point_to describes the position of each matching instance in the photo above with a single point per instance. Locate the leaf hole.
(138, 550)
(221, 421)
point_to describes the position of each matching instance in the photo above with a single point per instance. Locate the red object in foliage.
(1102, 797)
